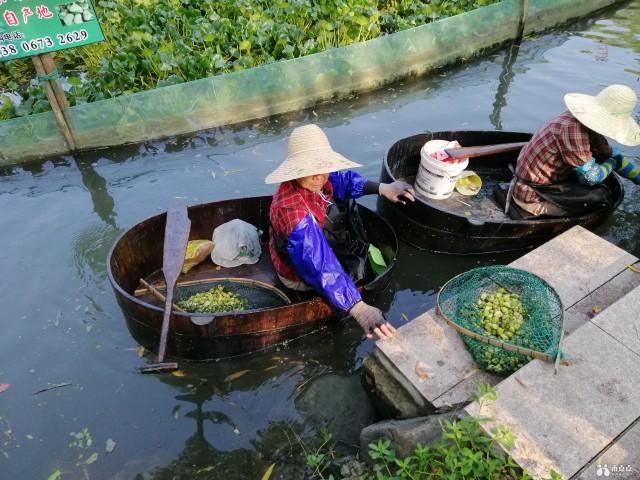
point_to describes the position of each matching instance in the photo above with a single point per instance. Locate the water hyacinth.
(155, 43)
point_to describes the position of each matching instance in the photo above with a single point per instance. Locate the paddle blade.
(176, 237)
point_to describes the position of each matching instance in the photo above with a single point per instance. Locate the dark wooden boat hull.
(138, 254)
(432, 225)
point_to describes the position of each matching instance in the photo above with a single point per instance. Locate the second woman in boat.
(317, 241)
(571, 147)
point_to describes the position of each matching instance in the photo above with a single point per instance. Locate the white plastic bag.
(236, 243)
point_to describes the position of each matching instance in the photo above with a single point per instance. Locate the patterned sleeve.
(574, 144)
(592, 173)
(316, 264)
(347, 184)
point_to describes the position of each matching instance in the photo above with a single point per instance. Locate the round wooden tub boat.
(137, 254)
(467, 225)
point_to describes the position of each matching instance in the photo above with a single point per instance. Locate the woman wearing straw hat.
(316, 239)
(573, 144)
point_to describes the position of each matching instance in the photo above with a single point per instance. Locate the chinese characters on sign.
(30, 27)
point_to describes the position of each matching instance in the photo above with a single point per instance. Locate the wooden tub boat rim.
(242, 313)
(472, 219)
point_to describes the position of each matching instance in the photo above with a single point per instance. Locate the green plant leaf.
(268, 472)
(92, 458)
(55, 475)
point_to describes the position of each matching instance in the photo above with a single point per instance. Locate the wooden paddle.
(482, 150)
(176, 236)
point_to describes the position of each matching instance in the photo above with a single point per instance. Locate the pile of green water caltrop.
(74, 13)
(501, 313)
(214, 300)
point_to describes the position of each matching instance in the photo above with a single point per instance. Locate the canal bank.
(564, 421)
(287, 85)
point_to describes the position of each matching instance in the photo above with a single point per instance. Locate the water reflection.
(506, 75)
(244, 411)
(96, 185)
(90, 248)
(619, 30)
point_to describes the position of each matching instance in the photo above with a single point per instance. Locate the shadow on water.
(96, 185)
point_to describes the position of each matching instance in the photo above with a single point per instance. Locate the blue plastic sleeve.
(616, 154)
(317, 265)
(347, 184)
(591, 173)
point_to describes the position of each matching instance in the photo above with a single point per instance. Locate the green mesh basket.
(538, 337)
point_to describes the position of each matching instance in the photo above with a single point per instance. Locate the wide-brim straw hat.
(609, 113)
(309, 153)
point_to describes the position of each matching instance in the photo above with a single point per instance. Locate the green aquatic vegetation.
(6, 107)
(214, 300)
(156, 43)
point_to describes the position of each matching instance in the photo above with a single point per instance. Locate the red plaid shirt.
(561, 144)
(290, 204)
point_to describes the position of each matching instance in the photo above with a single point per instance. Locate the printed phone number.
(44, 42)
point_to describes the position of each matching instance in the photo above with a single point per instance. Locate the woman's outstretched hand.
(372, 321)
(397, 191)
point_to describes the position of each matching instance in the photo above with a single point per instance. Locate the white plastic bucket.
(436, 179)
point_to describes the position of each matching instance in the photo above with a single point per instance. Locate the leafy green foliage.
(553, 475)
(6, 107)
(463, 452)
(157, 43)
(319, 459)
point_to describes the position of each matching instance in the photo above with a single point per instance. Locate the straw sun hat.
(309, 153)
(609, 113)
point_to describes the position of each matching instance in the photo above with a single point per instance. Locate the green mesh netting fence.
(506, 316)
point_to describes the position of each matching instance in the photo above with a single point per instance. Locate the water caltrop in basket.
(505, 316)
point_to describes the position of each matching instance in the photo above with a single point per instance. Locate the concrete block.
(431, 356)
(622, 321)
(575, 263)
(461, 392)
(389, 392)
(599, 300)
(621, 459)
(562, 421)
(406, 434)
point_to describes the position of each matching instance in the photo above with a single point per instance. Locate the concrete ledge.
(622, 321)
(576, 263)
(600, 299)
(428, 358)
(562, 421)
(620, 459)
